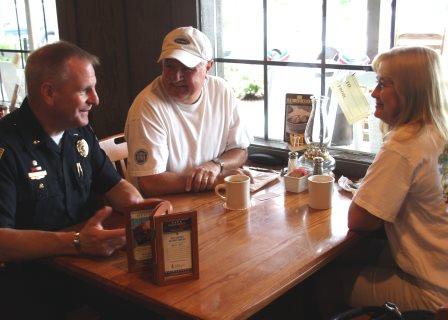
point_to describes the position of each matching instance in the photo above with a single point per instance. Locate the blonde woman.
(403, 189)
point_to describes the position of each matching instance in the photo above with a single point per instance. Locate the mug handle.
(219, 187)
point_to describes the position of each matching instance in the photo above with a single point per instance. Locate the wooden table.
(247, 259)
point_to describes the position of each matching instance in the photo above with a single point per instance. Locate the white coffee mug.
(237, 194)
(320, 188)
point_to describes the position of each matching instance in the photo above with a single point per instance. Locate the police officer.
(51, 172)
(51, 166)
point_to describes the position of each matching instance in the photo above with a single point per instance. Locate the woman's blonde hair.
(418, 79)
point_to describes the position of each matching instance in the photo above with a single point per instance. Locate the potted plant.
(252, 91)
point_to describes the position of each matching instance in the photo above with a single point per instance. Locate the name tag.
(37, 175)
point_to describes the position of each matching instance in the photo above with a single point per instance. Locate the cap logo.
(181, 41)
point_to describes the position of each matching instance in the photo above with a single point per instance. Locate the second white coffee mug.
(320, 188)
(237, 194)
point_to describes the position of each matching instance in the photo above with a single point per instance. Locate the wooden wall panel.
(126, 35)
(104, 36)
(184, 13)
(147, 23)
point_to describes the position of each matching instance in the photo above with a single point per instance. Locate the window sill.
(348, 162)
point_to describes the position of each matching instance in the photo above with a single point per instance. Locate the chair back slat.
(116, 149)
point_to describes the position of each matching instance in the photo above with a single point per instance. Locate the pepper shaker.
(292, 161)
(318, 163)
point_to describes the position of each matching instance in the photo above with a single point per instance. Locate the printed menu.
(297, 112)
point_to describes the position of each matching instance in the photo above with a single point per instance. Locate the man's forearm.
(162, 183)
(234, 158)
(16, 245)
(123, 195)
(170, 182)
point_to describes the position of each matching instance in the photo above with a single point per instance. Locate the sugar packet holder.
(162, 242)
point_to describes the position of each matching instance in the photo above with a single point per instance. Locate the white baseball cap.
(187, 45)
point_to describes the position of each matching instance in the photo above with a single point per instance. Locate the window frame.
(348, 162)
(24, 50)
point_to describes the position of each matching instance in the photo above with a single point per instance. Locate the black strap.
(388, 311)
(375, 312)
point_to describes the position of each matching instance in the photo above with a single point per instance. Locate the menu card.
(140, 233)
(177, 254)
(162, 242)
(297, 112)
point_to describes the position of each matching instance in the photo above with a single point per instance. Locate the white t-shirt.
(163, 135)
(403, 188)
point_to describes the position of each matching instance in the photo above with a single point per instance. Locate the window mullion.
(19, 33)
(265, 72)
(392, 23)
(324, 39)
(45, 21)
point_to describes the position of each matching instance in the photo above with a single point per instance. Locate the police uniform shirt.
(44, 186)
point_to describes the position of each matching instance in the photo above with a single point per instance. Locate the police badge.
(82, 147)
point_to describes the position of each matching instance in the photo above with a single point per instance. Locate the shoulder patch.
(141, 156)
(1, 152)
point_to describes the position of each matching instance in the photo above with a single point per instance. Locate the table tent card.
(162, 242)
(140, 232)
(176, 247)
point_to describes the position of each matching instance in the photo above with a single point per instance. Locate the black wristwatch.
(220, 163)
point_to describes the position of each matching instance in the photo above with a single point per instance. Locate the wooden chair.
(116, 149)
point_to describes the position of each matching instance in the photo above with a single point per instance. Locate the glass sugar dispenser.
(317, 137)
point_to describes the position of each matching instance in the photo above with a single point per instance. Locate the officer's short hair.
(48, 62)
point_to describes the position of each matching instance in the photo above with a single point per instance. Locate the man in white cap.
(184, 130)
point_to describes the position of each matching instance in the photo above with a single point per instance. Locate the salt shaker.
(318, 163)
(292, 161)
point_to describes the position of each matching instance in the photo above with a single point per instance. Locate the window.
(24, 26)
(267, 48)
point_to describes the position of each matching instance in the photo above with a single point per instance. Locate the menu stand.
(162, 242)
(176, 247)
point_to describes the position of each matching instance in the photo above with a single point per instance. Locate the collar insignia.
(82, 147)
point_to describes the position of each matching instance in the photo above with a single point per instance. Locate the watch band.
(77, 242)
(220, 163)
